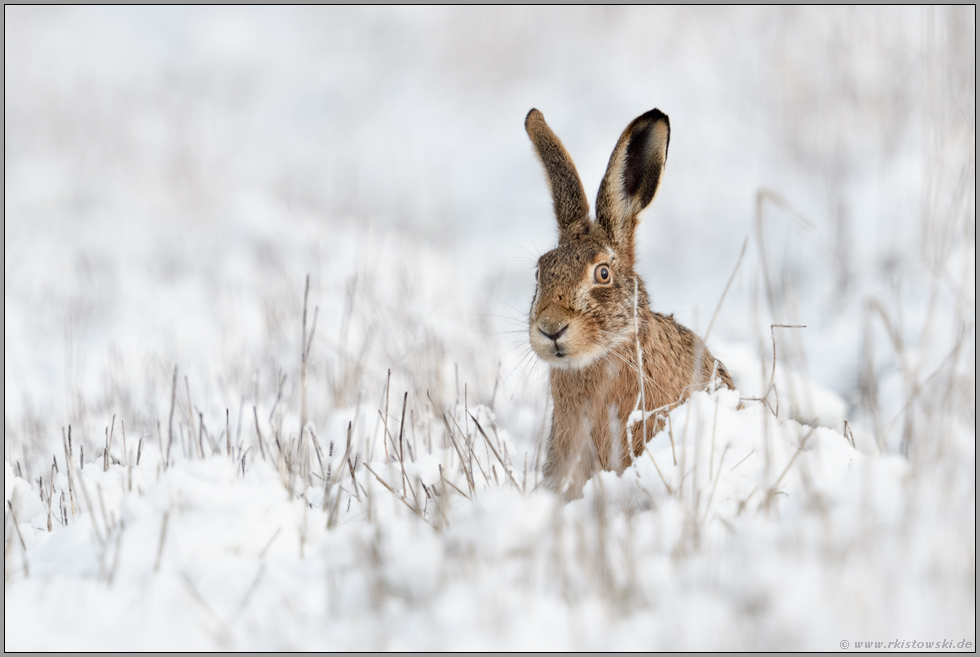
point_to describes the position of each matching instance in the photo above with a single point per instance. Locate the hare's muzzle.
(556, 334)
(549, 335)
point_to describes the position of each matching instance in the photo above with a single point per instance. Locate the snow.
(174, 175)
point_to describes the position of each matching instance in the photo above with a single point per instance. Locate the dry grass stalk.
(324, 474)
(384, 417)
(139, 449)
(198, 446)
(493, 449)
(353, 478)
(711, 496)
(163, 537)
(105, 516)
(391, 490)
(471, 457)
(401, 444)
(50, 495)
(115, 559)
(670, 491)
(452, 438)
(125, 452)
(170, 424)
(258, 432)
(223, 627)
(269, 543)
(770, 495)
(762, 196)
(91, 511)
(442, 478)
(306, 344)
(23, 546)
(66, 441)
(725, 291)
(108, 444)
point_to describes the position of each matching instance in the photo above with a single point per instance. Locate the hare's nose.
(554, 336)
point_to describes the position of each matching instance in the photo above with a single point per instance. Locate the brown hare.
(591, 321)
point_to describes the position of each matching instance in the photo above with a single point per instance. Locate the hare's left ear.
(571, 204)
(633, 175)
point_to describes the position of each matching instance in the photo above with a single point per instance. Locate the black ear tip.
(653, 116)
(641, 126)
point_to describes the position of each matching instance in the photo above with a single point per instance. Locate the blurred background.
(171, 175)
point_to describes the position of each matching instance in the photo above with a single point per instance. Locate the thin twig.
(392, 491)
(495, 452)
(473, 458)
(91, 511)
(711, 496)
(725, 292)
(23, 546)
(163, 536)
(258, 431)
(401, 445)
(442, 476)
(670, 491)
(772, 489)
(269, 543)
(197, 596)
(452, 438)
(300, 451)
(170, 425)
(68, 469)
(125, 453)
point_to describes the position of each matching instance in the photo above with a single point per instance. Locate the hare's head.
(584, 303)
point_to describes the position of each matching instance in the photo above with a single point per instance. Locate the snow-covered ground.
(173, 176)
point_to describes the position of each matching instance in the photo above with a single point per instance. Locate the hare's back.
(681, 357)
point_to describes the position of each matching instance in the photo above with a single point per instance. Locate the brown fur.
(588, 328)
(571, 204)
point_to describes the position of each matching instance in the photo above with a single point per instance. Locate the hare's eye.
(602, 274)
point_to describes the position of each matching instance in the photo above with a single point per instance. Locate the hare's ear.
(633, 175)
(571, 204)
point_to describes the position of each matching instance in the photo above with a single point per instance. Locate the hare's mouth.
(559, 354)
(562, 342)
(549, 343)
(564, 360)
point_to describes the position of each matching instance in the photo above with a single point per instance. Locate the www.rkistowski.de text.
(912, 644)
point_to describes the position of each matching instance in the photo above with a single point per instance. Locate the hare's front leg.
(571, 457)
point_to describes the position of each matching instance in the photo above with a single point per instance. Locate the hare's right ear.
(571, 204)
(633, 175)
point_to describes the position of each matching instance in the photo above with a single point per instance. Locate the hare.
(590, 320)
